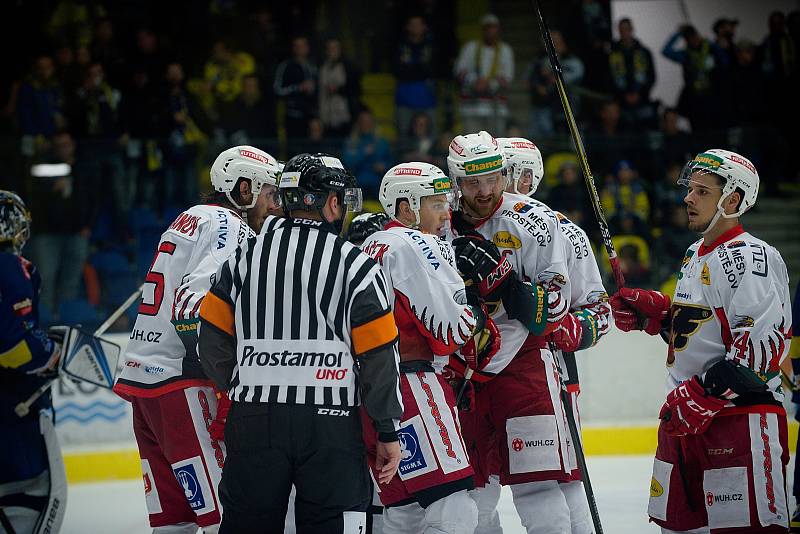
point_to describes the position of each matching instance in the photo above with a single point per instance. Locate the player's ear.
(732, 202)
(245, 192)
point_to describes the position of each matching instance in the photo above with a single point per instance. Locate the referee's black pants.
(272, 446)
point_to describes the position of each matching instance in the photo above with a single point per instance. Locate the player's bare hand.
(387, 459)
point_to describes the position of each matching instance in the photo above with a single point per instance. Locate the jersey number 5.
(155, 277)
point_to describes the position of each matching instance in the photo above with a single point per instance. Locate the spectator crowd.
(138, 97)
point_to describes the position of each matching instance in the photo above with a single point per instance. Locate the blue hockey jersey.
(24, 347)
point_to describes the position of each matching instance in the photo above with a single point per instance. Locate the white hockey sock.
(487, 498)
(180, 528)
(579, 515)
(455, 514)
(541, 507)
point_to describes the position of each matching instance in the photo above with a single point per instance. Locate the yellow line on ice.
(124, 464)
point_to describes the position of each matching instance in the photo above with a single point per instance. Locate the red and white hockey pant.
(434, 459)
(181, 464)
(731, 478)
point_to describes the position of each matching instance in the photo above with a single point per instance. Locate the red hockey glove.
(568, 334)
(479, 351)
(689, 409)
(639, 309)
(480, 261)
(217, 426)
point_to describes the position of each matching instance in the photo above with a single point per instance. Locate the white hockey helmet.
(474, 155)
(412, 181)
(245, 162)
(736, 171)
(522, 157)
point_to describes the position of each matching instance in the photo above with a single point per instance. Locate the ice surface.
(621, 484)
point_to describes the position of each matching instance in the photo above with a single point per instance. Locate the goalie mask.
(412, 182)
(245, 162)
(525, 167)
(736, 172)
(15, 222)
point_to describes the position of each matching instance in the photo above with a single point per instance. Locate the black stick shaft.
(555, 65)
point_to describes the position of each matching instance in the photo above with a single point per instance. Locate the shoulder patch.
(186, 225)
(506, 239)
(705, 276)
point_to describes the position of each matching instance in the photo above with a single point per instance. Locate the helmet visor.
(353, 200)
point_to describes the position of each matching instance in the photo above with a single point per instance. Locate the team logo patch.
(736, 244)
(308, 199)
(192, 478)
(656, 489)
(705, 276)
(522, 207)
(506, 240)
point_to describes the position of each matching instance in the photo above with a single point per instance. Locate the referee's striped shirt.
(300, 316)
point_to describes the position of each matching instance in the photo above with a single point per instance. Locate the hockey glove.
(477, 353)
(568, 334)
(217, 427)
(639, 309)
(689, 409)
(480, 261)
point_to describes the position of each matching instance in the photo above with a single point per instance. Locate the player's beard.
(481, 210)
(699, 225)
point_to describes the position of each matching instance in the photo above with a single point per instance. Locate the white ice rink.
(621, 483)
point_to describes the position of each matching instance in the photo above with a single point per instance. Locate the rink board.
(94, 466)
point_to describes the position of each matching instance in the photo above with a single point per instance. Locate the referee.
(299, 330)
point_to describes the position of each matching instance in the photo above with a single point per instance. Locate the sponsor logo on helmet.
(308, 199)
(252, 155)
(479, 149)
(743, 162)
(401, 171)
(710, 161)
(455, 147)
(290, 179)
(523, 144)
(506, 240)
(442, 184)
(483, 165)
(331, 162)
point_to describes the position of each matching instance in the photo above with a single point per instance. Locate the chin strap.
(713, 221)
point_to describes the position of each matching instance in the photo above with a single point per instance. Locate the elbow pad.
(527, 304)
(728, 380)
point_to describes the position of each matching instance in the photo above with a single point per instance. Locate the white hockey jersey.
(586, 284)
(429, 297)
(731, 301)
(185, 265)
(527, 232)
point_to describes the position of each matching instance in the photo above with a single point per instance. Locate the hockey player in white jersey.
(518, 415)
(722, 443)
(588, 303)
(435, 317)
(177, 420)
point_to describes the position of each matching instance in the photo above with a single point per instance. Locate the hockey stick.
(579, 149)
(566, 400)
(23, 408)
